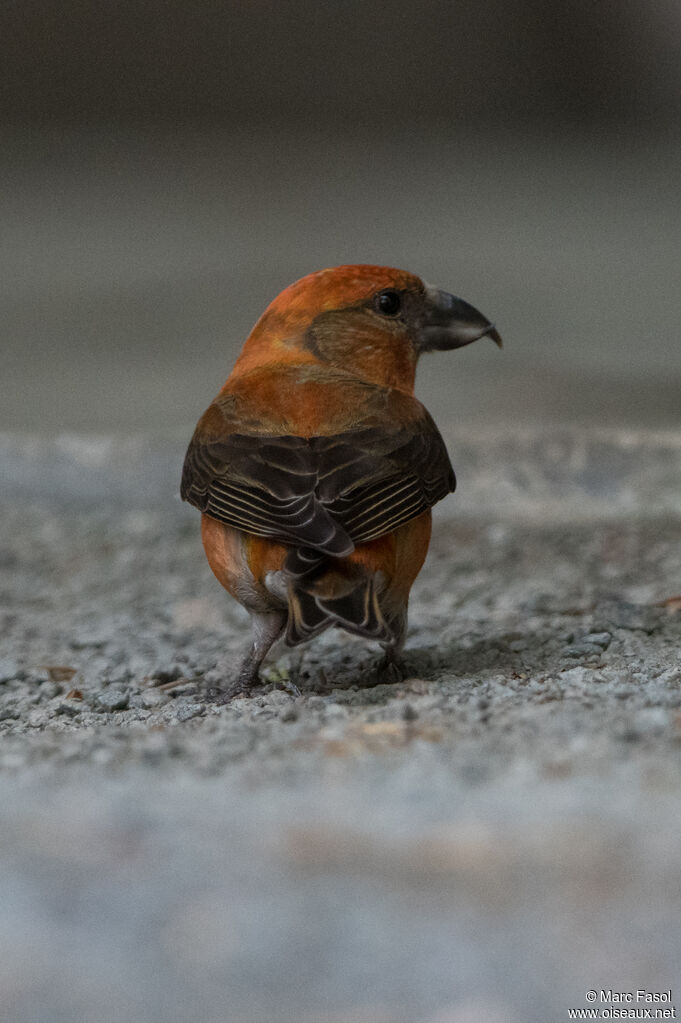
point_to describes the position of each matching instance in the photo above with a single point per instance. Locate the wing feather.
(323, 493)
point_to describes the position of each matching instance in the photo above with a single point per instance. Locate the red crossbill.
(315, 468)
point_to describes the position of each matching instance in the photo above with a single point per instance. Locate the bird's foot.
(283, 679)
(243, 685)
(390, 668)
(289, 686)
(221, 695)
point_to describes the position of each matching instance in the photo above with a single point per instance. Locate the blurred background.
(167, 168)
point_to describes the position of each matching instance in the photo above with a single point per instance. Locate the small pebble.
(38, 718)
(582, 650)
(49, 690)
(151, 698)
(112, 699)
(119, 675)
(9, 669)
(89, 637)
(186, 711)
(335, 710)
(68, 707)
(601, 639)
(37, 676)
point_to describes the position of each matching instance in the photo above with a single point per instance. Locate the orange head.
(371, 321)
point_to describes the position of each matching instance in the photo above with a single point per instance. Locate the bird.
(315, 468)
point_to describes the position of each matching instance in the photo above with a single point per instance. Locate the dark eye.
(388, 302)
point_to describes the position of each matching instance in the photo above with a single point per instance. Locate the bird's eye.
(388, 303)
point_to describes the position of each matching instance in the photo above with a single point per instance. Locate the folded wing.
(327, 494)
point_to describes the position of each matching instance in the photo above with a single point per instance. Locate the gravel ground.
(485, 841)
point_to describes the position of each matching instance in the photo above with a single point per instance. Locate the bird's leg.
(391, 666)
(267, 628)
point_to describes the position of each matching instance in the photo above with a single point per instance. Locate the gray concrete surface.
(484, 842)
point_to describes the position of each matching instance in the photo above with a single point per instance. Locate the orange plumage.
(316, 468)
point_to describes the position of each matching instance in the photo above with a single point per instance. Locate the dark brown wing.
(263, 485)
(373, 481)
(324, 493)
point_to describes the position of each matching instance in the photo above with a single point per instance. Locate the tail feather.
(357, 611)
(305, 618)
(303, 562)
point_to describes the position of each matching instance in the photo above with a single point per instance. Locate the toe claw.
(290, 687)
(243, 685)
(390, 669)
